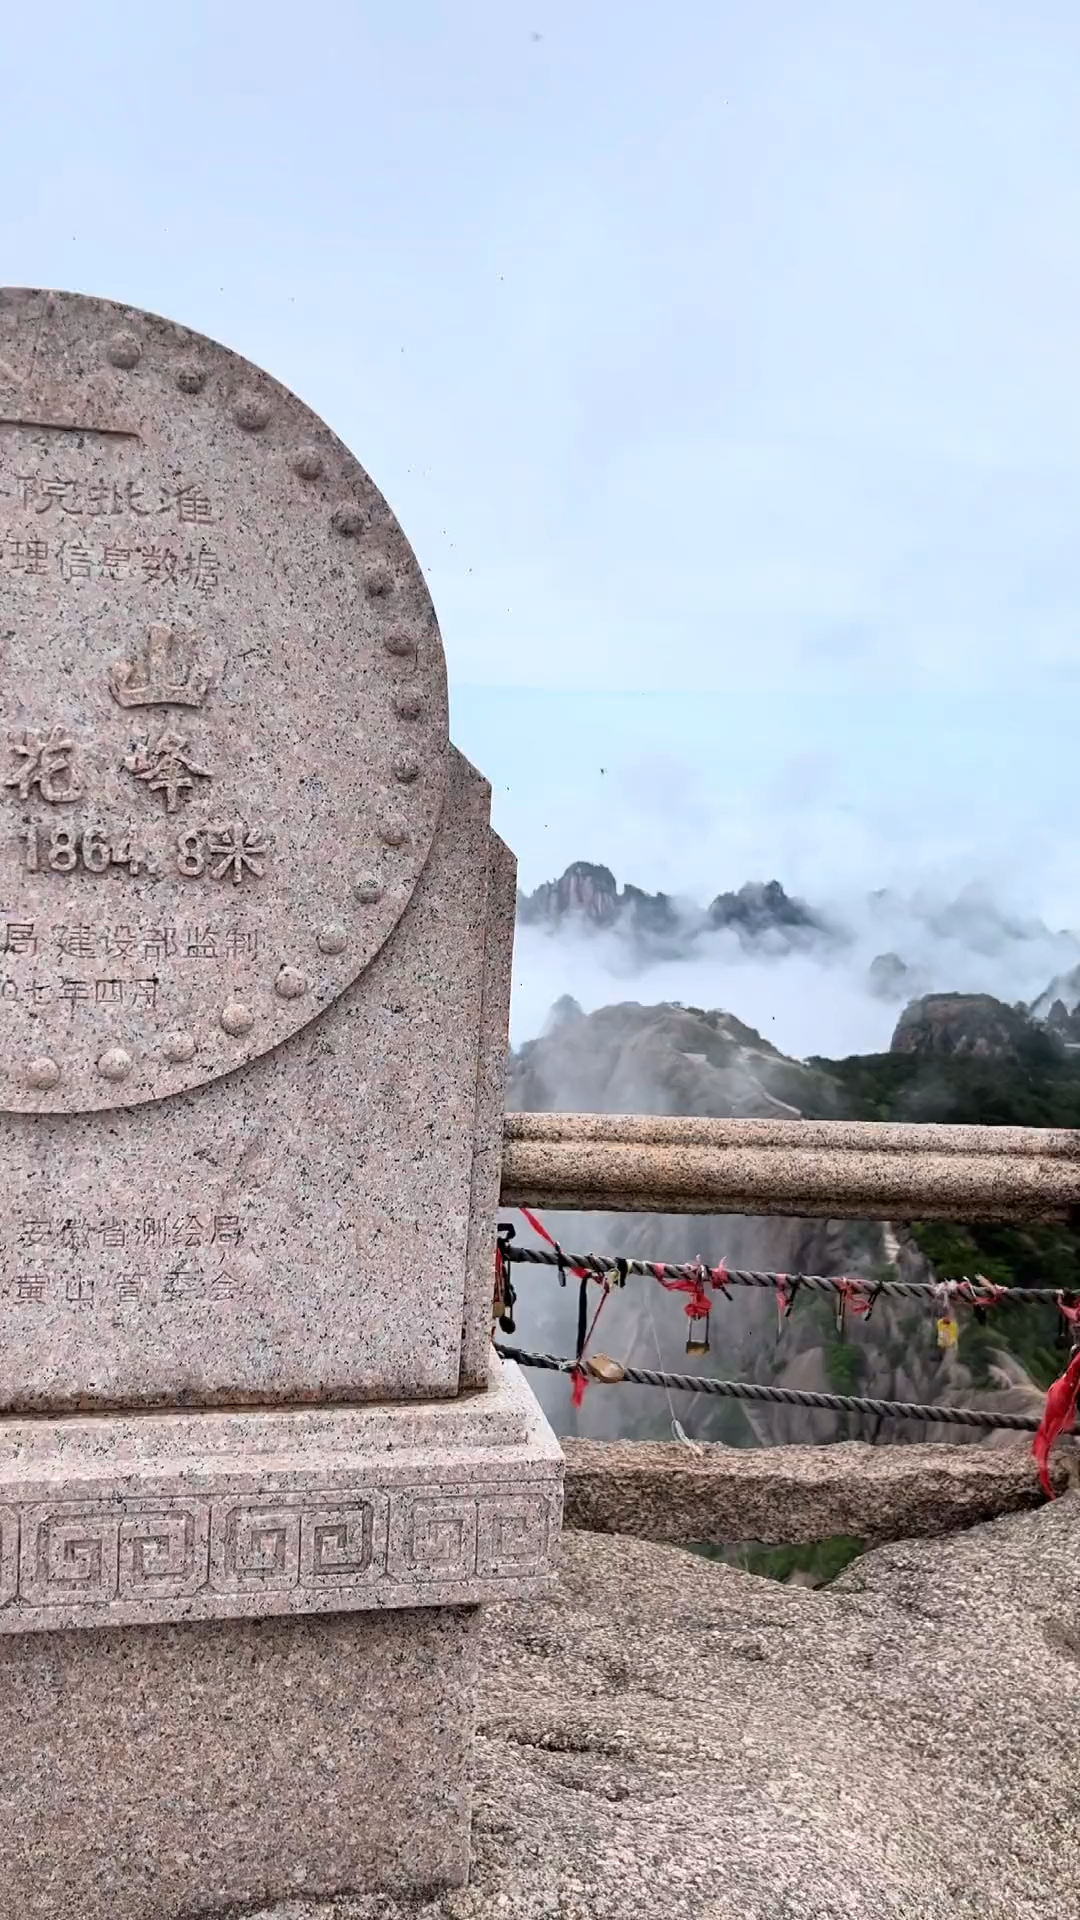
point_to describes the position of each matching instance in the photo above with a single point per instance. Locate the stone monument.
(258, 1464)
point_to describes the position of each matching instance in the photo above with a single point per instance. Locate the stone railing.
(792, 1495)
(841, 1169)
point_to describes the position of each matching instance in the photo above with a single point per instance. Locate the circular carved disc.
(223, 726)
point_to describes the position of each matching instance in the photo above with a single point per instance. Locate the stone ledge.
(786, 1496)
(120, 1522)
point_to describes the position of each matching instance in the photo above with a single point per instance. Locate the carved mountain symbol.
(164, 674)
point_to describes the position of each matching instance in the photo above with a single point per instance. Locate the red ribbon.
(539, 1227)
(1059, 1415)
(984, 1294)
(578, 1374)
(698, 1306)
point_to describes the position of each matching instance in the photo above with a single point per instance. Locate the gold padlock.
(698, 1342)
(601, 1367)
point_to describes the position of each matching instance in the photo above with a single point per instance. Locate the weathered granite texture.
(299, 1230)
(835, 1169)
(254, 990)
(225, 695)
(672, 1738)
(251, 1138)
(161, 1773)
(117, 1520)
(490, 1099)
(780, 1496)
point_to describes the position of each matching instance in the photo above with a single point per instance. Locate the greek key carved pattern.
(75, 1554)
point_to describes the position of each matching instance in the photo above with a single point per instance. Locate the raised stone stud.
(115, 1064)
(124, 349)
(289, 985)
(332, 938)
(348, 519)
(368, 891)
(393, 830)
(179, 1047)
(236, 1018)
(408, 706)
(399, 643)
(307, 462)
(407, 769)
(190, 378)
(378, 582)
(42, 1073)
(251, 412)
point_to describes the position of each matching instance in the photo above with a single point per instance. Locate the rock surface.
(670, 1737)
(775, 1496)
(972, 1024)
(687, 1060)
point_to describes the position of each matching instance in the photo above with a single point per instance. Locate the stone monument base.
(278, 1697)
(156, 1772)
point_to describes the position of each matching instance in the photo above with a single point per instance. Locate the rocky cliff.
(587, 897)
(686, 1060)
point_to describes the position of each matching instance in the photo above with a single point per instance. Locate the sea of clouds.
(813, 996)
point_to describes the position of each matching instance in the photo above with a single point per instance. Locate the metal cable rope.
(785, 1396)
(979, 1292)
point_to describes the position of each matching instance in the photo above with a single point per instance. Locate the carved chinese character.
(47, 763)
(193, 506)
(36, 991)
(20, 937)
(227, 1229)
(114, 559)
(29, 556)
(79, 1291)
(80, 942)
(109, 993)
(202, 570)
(59, 493)
(30, 1290)
(34, 1233)
(74, 1236)
(99, 497)
(237, 850)
(201, 943)
(113, 1233)
(222, 1285)
(152, 1233)
(130, 1287)
(119, 943)
(74, 992)
(9, 988)
(241, 944)
(127, 498)
(166, 766)
(159, 943)
(187, 1232)
(75, 561)
(143, 993)
(158, 563)
(164, 675)
(183, 1281)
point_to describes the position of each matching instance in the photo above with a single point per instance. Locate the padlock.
(697, 1338)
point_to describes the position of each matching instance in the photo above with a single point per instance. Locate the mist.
(807, 993)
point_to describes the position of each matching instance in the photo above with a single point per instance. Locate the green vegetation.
(1037, 1086)
(822, 1560)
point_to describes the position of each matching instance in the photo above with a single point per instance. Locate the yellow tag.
(948, 1333)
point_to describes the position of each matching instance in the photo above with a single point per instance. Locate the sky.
(720, 362)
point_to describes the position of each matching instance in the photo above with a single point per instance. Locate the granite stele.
(258, 1465)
